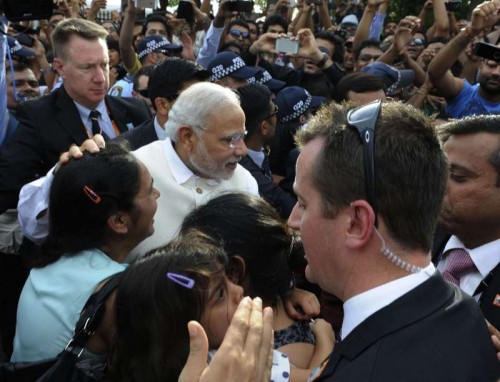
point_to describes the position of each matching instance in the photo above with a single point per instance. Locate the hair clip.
(182, 280)
(91, 194)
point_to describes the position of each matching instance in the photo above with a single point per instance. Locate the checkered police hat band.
(220, 71)
(152, 46)
(299, 109)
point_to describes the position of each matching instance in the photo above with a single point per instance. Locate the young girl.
(259, 246)
(159, 295)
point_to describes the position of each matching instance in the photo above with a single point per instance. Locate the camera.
(488, 51)
(21, 10)
(285, 45)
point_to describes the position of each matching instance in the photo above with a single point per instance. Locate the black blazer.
(274, 195)
(141, 135)
(47, 127)
(490, 287)
(434, 333)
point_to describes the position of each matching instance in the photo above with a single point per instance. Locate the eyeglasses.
(274, 113)
(236, 138)
(236, 33)
(364, 119)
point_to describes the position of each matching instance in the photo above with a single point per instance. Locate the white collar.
(180, 171)
(360, 307)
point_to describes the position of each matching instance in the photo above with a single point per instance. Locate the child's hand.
(307, 302)
(322, 330)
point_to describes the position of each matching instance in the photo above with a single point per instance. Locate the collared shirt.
(160, 132)
(257, 157)
(180, 171)
(104, 120)
(360, 307)
(485, 258)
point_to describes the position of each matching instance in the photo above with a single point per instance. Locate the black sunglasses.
(364, 119)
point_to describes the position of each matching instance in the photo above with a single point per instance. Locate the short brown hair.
(78, 27)
(410, 169)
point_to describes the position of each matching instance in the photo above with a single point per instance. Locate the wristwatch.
(323, 61)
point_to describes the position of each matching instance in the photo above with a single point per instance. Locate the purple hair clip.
(182, 280)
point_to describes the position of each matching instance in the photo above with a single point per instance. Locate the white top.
(485, 258)
(360, 307)
(181, 190)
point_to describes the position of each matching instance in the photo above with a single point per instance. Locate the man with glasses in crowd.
(370, 184)
(261, 118)
(198, 159)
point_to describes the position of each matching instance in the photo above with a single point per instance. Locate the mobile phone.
(145, 3)
(453, 6)
(241, 6)
(285, 45)
(316, 2)
(185, 11)
(488, 51)
(25, 39)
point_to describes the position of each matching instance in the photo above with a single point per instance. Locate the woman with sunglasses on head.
(101, 206)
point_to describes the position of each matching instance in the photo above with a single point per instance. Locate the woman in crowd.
(101, 206)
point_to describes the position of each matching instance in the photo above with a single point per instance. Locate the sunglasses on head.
(236, 33)
(363, 119)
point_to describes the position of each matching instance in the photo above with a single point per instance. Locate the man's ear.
(58, 66)
(264, 128)
(236, 270)
(118, 222)
(162, 105)
(361, 220)
(186, 137)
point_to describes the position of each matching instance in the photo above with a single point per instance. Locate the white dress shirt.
(360, 307)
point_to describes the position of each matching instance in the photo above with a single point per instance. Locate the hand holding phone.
(144, 3)
(488, 51)
(285, 45)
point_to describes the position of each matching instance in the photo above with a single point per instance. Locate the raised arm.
(483, 16)
(363, 30)
(127, 51)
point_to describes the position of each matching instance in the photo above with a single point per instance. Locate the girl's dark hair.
(251, 228)
(77, 217)
(152, 311)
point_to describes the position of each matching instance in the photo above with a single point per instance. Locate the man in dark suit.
(467, 247)
(69, 115)
(166, 82)
(261, 117)
(370, 183)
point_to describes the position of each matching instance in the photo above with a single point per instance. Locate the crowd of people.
(337, 166)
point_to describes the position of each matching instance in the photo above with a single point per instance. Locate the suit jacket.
(274, 195)
(490, 298)
(432, 333)
(47, 127)
(141, 135)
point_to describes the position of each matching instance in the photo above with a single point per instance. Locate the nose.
(156, 193)
(294, 218)
(100, 74)
(240, 150)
